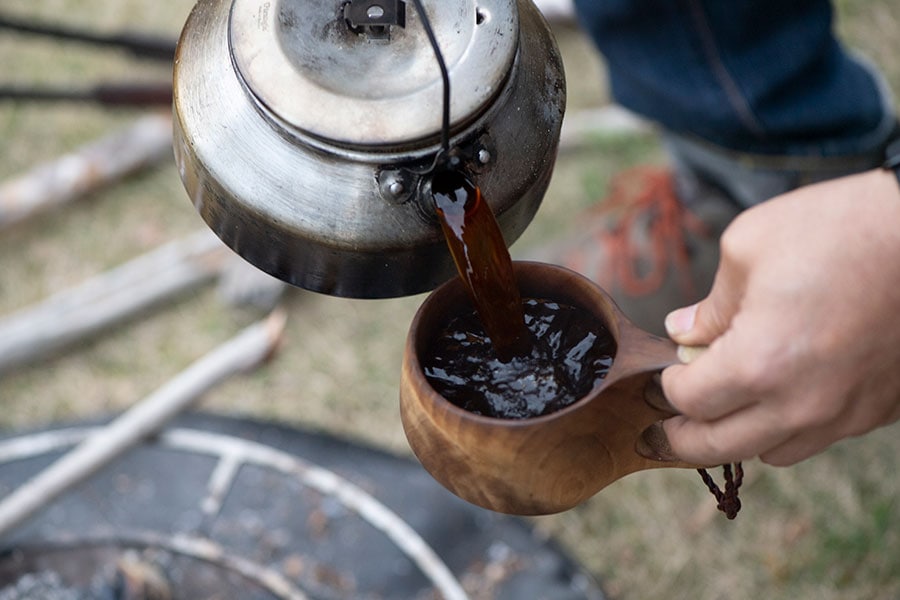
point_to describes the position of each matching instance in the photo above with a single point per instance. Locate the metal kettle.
(305, 130)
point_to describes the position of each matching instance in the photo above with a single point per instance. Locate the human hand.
(802, 324)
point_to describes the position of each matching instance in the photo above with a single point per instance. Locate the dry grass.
(827, 529)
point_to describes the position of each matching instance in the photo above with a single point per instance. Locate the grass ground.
(828, 528)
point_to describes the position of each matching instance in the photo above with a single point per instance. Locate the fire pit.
(224, 508)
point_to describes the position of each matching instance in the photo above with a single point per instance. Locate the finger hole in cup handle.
(653, 393)
(653, 443)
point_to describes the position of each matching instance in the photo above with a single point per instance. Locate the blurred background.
(828, 528)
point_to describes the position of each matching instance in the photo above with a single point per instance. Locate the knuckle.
(759, 373)
(712, 445)
(673, 389)
(826, 411)
(733, 243)
(817, 409)
(857, 425)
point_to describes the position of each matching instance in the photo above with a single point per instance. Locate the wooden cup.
(553, 462)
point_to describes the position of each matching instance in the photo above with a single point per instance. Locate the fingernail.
(681, 321)
(654, 445)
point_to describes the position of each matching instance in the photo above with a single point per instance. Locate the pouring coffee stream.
(482, 260)
(512, 357)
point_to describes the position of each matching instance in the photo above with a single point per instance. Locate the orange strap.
(633, 193)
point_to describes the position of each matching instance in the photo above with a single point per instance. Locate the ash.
(43, 586)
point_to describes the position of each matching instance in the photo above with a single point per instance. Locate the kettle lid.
(331, 77)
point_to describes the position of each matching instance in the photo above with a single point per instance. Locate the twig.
(87, 169)
(105, 94)
(242, 353)
(143, 45)
(110, 298)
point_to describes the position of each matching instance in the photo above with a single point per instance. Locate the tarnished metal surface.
(303, 63)
(317, 212)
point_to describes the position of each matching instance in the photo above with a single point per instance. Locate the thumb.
(701, 323)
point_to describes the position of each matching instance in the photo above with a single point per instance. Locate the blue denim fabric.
(758, 76)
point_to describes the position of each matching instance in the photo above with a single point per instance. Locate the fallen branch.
(557, 11)
(580, 128)
(110, 298)
(87, 169)
(242, 353)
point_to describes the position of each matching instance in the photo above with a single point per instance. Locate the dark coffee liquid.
(482, 260)
(571, 352)
(507, 359)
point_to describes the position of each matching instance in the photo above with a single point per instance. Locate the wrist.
(881, 211)
(892, 159)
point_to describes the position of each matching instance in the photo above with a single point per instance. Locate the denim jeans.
(762, 86)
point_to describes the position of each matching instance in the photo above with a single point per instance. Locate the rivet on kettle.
(396, 186)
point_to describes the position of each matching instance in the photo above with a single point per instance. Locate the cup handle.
(653, 443)
(653, 393)
(688, 354)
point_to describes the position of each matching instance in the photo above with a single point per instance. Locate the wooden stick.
(242, 353)
(110, 298)
(580, 127)
(87, 169)
(557, 11)
(139, 44)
